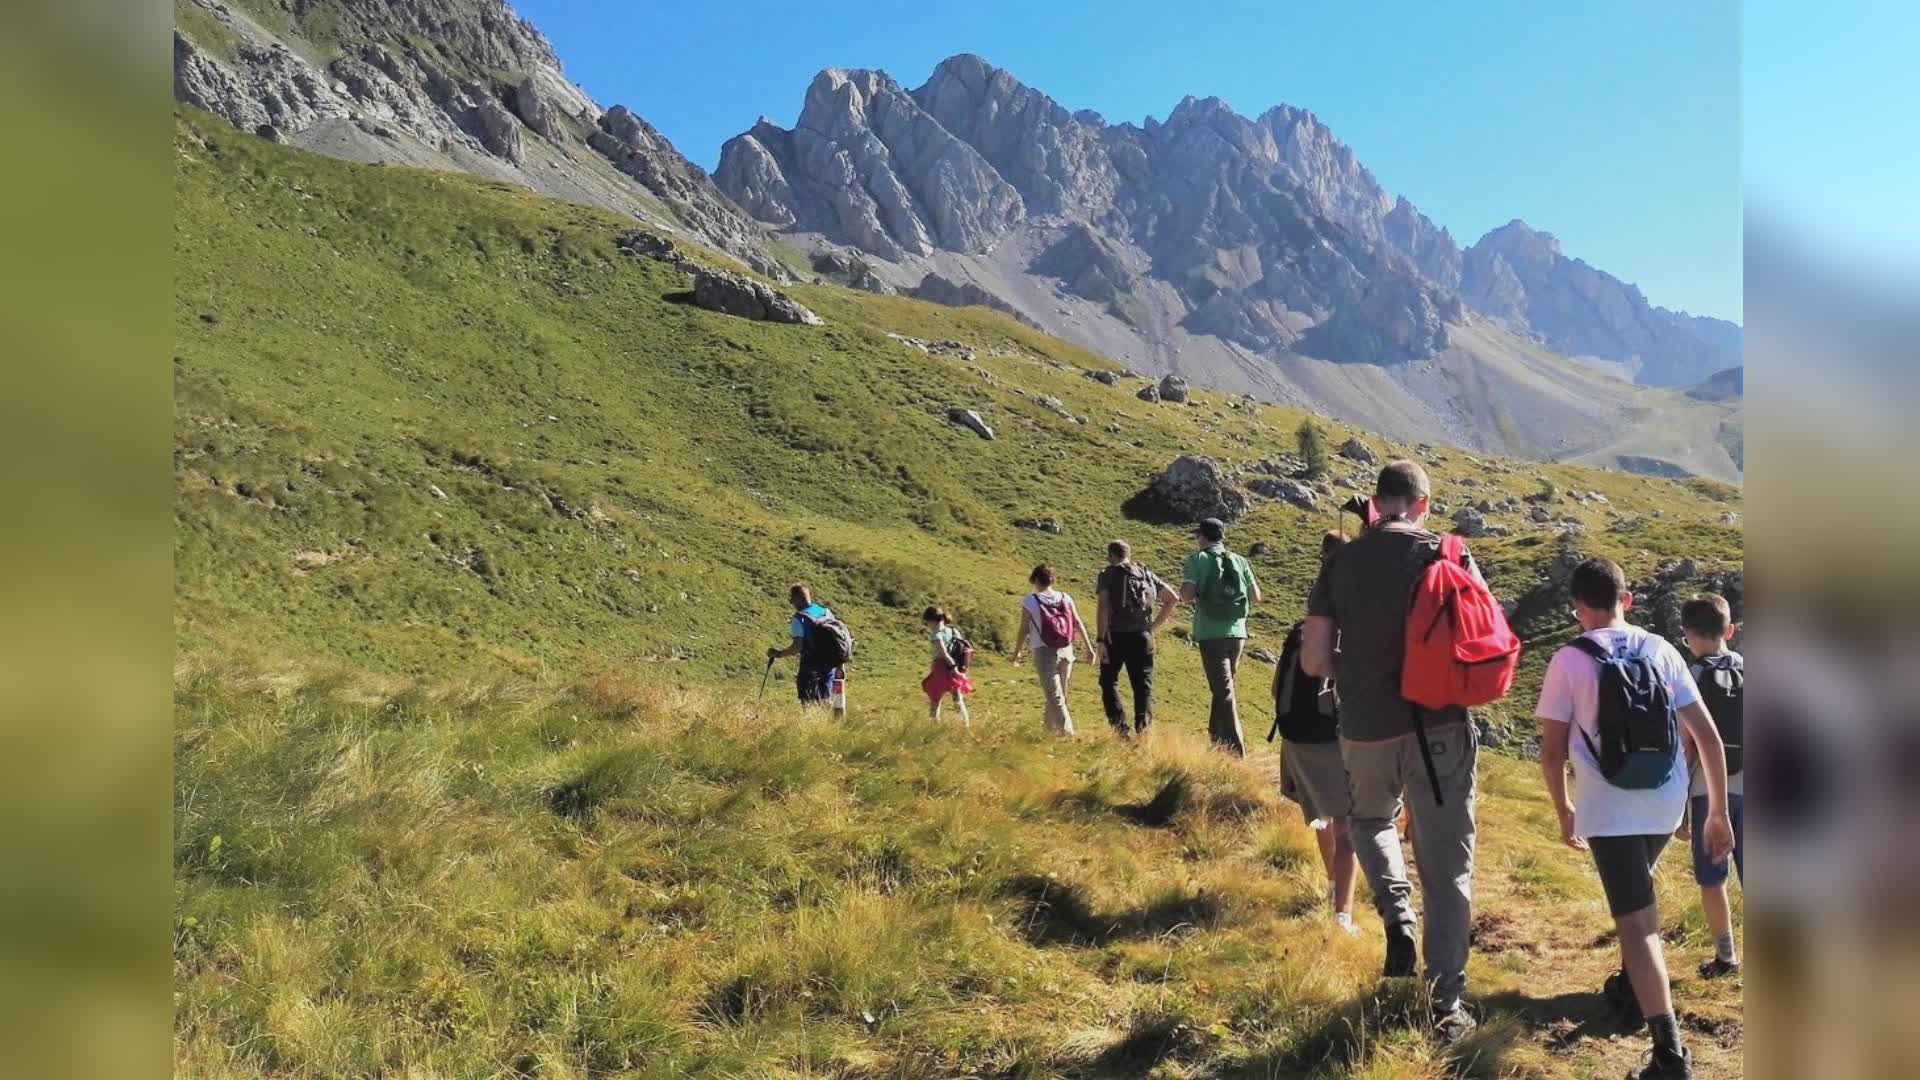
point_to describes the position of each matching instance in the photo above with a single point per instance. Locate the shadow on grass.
(1055, 913)
(1156, 813)
(1152, 1039)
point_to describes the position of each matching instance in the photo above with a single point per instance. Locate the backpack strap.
(1453, 548)
(1592, 648)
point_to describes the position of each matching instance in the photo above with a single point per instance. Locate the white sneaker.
(1345, 921)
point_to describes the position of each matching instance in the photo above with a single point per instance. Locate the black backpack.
(1639, 730)
(1722, 680)
(828, 642)
(959, 652)
(1133, 593)
(1305, 709)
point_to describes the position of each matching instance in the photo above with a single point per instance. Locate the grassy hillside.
(479, 537)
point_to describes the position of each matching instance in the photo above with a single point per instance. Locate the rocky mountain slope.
(451, 84)
(1244, 253)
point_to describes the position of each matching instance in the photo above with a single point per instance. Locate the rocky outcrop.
(454, 84)
(970, 420)
(1191, 488)
(1284, 489)
(939, 290)
(865, 165)
(1518, 273)
(1173, 388)
(1355, 450)
(732, 294)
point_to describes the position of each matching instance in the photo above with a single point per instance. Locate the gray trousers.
(1381, 775)
(1221, 659)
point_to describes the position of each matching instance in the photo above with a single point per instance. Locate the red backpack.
(1460, 652)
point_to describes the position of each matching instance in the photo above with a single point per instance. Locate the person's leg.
(1323, 839)
(1140, 675)
(1712, 878)
(1046, 667)
(1220, 657)
(1625, 865)
(813, 685)
(1110, 661)
(1066, 679)
(1443, 844)
(960, 703)
(1341, 865)
(1373, 776)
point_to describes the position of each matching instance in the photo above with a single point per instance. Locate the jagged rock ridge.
(457, 84)
(1271, 232)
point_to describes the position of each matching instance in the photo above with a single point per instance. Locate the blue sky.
(1615, 126)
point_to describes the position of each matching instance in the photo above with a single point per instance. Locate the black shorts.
(1626, 869)
(814, 683)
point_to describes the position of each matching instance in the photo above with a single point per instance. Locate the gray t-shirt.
(1107, 587)
(1364, 588)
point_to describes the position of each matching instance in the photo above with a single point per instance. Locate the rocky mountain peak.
(458, 85)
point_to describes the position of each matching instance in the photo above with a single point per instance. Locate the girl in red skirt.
(947, 677)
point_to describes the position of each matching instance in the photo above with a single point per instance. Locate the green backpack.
(1224, 596)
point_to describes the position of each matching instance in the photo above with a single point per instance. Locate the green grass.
(205, 30)
(488, 785)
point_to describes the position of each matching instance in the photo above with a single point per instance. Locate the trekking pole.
(765, 677)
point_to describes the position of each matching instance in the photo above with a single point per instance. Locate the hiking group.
(1371, 696)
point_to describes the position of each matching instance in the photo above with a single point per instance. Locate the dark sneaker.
(1618, 992)
(1717, 968)
(1661, 1066)
(1402, 952)
(1120, 731)
(1453, 1024)
(1140, 726)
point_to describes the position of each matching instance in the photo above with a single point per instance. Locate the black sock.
(1666, 1034)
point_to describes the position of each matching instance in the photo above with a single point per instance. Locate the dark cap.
(1212, 530)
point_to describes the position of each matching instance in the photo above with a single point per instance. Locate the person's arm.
(1101, 620)
(1717, 832)
(1169, 600)
(1020, 638)
(1316, 647)
(792, 649)
(1554, 738)
(1093, 646)
(1254, 592)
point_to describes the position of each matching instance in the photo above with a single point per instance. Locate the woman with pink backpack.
(1049, 622)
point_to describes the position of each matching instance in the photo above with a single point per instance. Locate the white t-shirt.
(1697, 784)
(1571, 695)
(1032, 606)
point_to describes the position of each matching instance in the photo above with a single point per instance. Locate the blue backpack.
(1639, 730)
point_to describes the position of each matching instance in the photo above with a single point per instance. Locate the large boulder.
(1173, 388)
(1192, 488)
(1469, 522)
(1283, 488)
(1149, 392)
(732, 294)
(970, 420)
(1355, 450)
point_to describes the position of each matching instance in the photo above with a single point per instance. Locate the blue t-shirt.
(798, 629)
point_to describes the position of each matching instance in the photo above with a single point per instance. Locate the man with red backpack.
(1420, 640)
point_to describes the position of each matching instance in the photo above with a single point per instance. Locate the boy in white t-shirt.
(1625, 828)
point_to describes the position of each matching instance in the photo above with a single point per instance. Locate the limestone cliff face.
(459, 84)
(1271, 231)
(867, 166)
(1519, 274)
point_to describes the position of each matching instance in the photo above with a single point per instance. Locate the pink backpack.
(1056, 621)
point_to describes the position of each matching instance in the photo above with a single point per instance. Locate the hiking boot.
(1661, 1066)
(1120, 731)
(1402, 952)
(1618, 992)
(1717, 968)
(1452, 1024)
(1141, 725)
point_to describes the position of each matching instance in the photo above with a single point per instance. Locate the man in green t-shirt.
(1220, 586)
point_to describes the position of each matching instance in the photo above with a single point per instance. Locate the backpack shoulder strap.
(1453, 548)
(1592, 648)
